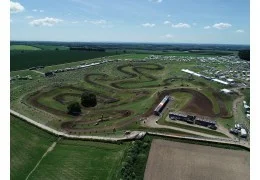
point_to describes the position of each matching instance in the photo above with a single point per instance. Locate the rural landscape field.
(128, 87)
(151, 89)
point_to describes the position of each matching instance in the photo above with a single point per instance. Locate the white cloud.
(240, 31)
(45, 22)
(16, 7)
(29, 17)
(168, 15)
(156, 1)
(148, 25)
(38, 10)
(222, 25)
(207, 27)
(181, 25)
(168, 36)
(166, 22)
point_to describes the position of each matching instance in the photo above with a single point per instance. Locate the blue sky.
(170, 21)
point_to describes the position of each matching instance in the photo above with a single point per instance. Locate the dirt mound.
(199, 104)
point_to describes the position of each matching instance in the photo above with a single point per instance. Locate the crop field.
(23, 48)
(20, 60)
(126, 92)
(174, 160)
(68, 159)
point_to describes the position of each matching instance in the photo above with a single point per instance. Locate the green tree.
(88, 99)
(74, 108)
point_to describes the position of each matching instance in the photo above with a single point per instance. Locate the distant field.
(51, 47)
(23, 48)
(23, 60)
(173, 160)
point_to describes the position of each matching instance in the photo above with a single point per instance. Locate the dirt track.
(179, 161)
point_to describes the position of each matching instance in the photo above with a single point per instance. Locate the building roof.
(226, 91)
(220, 81)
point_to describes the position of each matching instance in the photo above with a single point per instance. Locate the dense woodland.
(244, 54)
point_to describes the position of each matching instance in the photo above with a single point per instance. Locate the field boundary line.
(134, 134)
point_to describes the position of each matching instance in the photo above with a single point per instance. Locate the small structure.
(226, 91)
(49, 74)
(206, 123)
(160, 107)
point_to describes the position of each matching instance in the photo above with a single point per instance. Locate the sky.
(158, 21)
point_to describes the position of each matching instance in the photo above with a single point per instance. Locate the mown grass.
(28, 144)
(70, 159)
(73, 159)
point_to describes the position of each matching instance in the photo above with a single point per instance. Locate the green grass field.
(28, 144)
(81, 160)
(69, 159)
(23, 48)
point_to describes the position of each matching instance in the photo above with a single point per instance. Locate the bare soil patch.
(181, 161)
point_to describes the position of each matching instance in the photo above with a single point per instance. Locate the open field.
(23, 48)
(28, 144)
(68, 159)
(173, 160)
(24, 60)
(81, 160)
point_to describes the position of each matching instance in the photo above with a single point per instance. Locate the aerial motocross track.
(122, 100)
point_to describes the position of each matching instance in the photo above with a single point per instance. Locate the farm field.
(68, 159)
(24, 60)
(174, 160)
(23, 48)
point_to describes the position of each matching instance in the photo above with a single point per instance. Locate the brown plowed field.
(170, 160)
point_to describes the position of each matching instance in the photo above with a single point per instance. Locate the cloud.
(38, 10)
(168, 15)
(194, 24)
(29, 17)
(148, 25)
(16, 7)
(156, 1)
(166, 22)
(45, 22)
(207, 27)
(74, 22)
(181, 25)
(222, 25)
(168, 36)
(240, 31)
